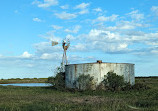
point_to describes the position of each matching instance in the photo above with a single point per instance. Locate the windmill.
(65, 45)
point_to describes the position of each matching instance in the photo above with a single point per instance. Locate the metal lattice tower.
(65, 45)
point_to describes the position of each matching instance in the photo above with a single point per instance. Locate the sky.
(119, 31)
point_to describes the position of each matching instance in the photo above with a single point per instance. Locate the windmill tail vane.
(54, 43)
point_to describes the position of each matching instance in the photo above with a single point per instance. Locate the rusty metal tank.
(98, 70)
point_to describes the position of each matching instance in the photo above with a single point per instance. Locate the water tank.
(98, 70)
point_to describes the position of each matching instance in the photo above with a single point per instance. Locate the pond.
(28, 84)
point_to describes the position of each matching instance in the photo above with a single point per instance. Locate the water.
(28, 84)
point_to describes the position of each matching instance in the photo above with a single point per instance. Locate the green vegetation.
(24, 80)
(113, 81)
(85, 82)
(58, 81)
(142, 98)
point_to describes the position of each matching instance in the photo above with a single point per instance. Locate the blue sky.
(122, 31)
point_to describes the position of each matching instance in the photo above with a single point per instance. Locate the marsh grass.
(49, 99)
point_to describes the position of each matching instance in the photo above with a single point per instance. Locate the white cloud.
(79, 47)
(136, 15)
(45, 3)
(51, 36)
(109, 18)
(126, 25)
(56, 27)
(37, 20)
(123, 45)
(84, 11)
(82, 6)
(65, 15)
(106, 41)
(70, 37)
(154, 51)
(98, 9)
(30, 65)
(54, 56)
(74, 30)
(45, 47)
(65, 7)
(102, 35)
(26, 55)
(154, 9)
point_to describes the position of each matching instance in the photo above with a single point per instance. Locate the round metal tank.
(98, 70)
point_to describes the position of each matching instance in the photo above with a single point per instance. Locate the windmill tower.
(65, 45)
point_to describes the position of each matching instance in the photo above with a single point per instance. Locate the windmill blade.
(54, 43)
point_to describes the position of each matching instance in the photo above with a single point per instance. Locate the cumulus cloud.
(154, 9)
(84, 11)
(48, 56)
(136, 15)
(65, 15)
(50, 36)
(56, 27)
(73, 30)
(79, 47)
(70, 37)
(82, 6)
(126, 25)
(109, 18)
(101, 40)
(154, 51)
(98, 9)
(37, 20)
(45, 3)
(64, 6)
(101, 35)
(117, 42)
(26, 55)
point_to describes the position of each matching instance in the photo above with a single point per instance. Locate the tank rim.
(100, 63)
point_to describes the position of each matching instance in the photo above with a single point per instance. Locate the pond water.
(28, 84)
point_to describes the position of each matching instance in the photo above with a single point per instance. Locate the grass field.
(48, 99)
(24, 80)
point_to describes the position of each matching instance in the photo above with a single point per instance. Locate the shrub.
(113, 81)
(59, 80)
(140, 86)
(85, 82)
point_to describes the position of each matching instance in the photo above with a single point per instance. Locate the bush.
(59, 80)
(140, 86)
(113, 81)
(85, 82)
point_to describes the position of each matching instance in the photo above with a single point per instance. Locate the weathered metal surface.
(54, 43)
(98, 71)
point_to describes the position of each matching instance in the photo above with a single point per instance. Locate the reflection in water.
(28, 84)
